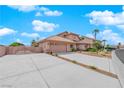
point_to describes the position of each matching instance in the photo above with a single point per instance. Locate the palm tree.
(119, 45)
(95, 32)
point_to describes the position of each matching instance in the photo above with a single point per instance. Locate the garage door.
(58, 48)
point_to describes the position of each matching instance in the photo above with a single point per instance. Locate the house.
(65, 41)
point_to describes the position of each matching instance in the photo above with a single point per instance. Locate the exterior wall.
(45, 46)
(69, 47)
(58, 48)
(23, 50)
(52, 46)
(61, 47)
(81, 47)
(2, 51)
(87, 40)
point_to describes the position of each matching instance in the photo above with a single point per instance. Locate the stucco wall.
(45, 46)
(2, 51)
(23, 50)
(87, 41)
(81, 47)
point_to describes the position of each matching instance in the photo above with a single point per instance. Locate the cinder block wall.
(19, 50)
(2, 51)
(23, 50)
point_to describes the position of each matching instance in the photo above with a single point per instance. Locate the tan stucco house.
(64, 42)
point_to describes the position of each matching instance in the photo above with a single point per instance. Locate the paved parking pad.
(74, 76)
(43, 61)
(43, 70)
(27, 80)
(15, 65)
(102, 63)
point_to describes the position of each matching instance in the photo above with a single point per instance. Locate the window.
(71, 46)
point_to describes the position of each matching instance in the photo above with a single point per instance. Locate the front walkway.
(43, 70)
(99, 62)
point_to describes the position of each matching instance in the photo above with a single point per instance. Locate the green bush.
(74, 61)
(16, 44)
(97, 45)
(92, 49)
(93, 67)
(73, 49)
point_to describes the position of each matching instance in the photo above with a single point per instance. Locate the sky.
(25, 23)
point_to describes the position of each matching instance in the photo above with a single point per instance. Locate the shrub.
(34, 43)
(92, 49)
(16, 44)
(97, 45)
(73, 49)
(50, 53)
(56, 54)
(93, 67)
(74, 61)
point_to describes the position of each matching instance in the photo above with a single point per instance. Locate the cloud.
(43, 9)
(38, 14)
(24, 8)
(39, 10)
(111, 37)
(6, 31)
(31, 35)
(107, 18)
(123, 8)
(121, 27)
(18, 40)
(43, 26)
(48, 12)
(53, 13)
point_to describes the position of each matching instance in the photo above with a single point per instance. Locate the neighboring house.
(65, 42)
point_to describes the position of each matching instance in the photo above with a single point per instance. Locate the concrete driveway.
(43, 70)
(102, 63)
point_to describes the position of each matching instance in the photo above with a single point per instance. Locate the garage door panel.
(58, 48)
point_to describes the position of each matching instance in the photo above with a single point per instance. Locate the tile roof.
(58, 38)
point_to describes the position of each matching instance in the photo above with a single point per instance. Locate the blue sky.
(24, 23)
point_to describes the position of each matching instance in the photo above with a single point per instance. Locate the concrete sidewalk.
(43, 70)
(102, 63)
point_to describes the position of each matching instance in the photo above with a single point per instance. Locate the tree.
(104, 43)
(34, 43)
(82, 37)
(16, 44)
(95, 32)
(97, 45)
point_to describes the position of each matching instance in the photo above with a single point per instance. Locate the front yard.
(99, 54)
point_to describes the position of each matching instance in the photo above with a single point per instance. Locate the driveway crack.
(40, 72)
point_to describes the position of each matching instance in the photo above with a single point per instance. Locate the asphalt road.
(120, 54)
